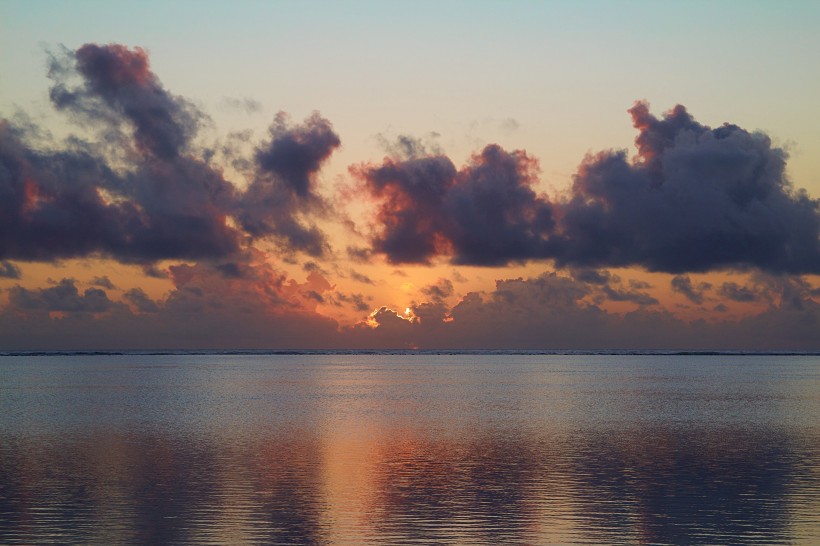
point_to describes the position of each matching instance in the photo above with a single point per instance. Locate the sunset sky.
(500, 175)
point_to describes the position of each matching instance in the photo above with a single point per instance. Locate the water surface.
(410, 449)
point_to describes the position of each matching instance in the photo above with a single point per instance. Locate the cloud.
(552, 311)
(141, 301)
(483, 214)
(64, 296)
(633, 296)
(264, 308)
(118, 83)
(151, 270)
(356, 301)
(141, 190)
(360, 277)
(682, 284)
(735, 292)
(69, 201)
(607, 286)
(285, 186)
(245, 104)
(694, 199)
(410, 216)
(103, 282)
(359, 254)
(8, 270)
(442, 289)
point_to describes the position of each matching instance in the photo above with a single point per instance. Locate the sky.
(441, 175)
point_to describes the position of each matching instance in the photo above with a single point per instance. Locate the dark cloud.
(64, 296)
(735, 292)
(231, 269)
(285, 187)
(62, 202)
(442, 289)
(633, 296)
(314, 295)
(154, 272)
(118, 84)
(71, 203)
(143, 191)
(103, 282)
(695, 199)
(141, 301)
(484, 214)
(310, 266)
(295, 154)
(609, 287)
(682, 284)
(410, 216)
(359, 302)
(785, 291)
(495, 215)
(359, 254)
(8, 270)
(359, 277)
(592, 276)
(356, 301)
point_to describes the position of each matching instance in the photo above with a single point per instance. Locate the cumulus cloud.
(118, 84)
(694, 199)
(70, 201)
(410, 217)
(141, 190)
(484, 214)
(285, 186)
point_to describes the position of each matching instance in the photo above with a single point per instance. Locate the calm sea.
(410, 449)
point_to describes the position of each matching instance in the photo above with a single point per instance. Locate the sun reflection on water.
(398, 451)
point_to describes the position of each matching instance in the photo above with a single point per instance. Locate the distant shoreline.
(409, 352)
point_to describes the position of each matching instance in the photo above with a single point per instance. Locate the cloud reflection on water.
(400, 486)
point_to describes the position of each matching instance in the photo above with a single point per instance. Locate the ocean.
(409, 448)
